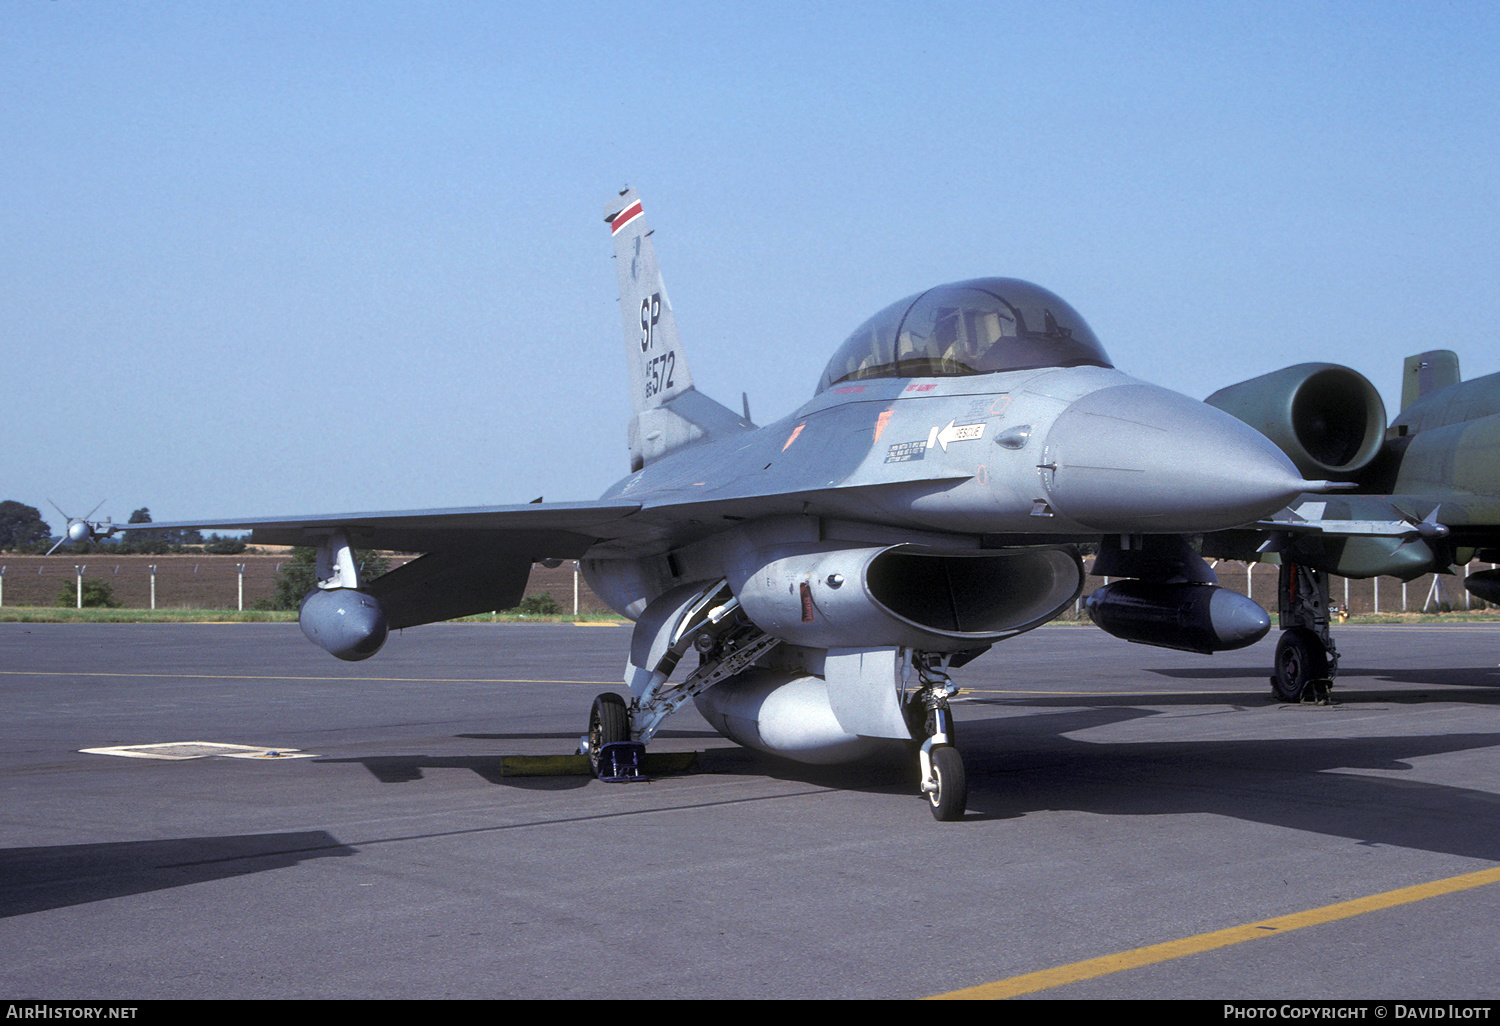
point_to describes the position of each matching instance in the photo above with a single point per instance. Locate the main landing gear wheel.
(949, 788)
(1300, 660)
(609, 722)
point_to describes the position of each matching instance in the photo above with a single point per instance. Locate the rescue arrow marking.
(964, 433)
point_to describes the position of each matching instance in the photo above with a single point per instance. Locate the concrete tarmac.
(1120, 797)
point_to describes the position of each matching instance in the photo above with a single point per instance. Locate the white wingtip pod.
(343, 622)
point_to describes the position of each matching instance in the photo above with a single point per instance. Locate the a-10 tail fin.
(1426, 373)
(669, 412)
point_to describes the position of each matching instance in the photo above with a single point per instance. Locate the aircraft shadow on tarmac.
(1482, 687)
(1024, 764)
(402, 769)
(405, 769)
(35, 879)
(1016, 765)
(1457, 676)
(573, 736)
(1027, 764)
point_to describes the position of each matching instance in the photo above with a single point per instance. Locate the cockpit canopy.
(969, 327)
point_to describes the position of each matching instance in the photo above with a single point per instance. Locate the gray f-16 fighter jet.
(828, 570)
(1426, 492)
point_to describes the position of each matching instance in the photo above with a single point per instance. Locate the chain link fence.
(1430, 593)
(206, 582)
(224, 582)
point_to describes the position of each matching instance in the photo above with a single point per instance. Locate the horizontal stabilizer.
(710, 417)
(683, 420)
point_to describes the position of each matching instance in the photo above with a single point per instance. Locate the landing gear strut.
(1306, 659)
(943, 781)
(706, 620)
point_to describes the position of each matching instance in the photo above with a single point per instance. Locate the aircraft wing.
(1386, 515)
(556, 530)
(561, 530)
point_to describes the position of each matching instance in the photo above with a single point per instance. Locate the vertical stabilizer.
(1427, 372)
(658, 370)
(669, 412)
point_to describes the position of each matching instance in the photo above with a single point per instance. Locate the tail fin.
(658, 370)
(669, 412)
(1427, 372)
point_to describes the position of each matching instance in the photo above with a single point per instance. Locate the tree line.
(23, 530)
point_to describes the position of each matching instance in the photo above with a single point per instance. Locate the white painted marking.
(951, 433)
(178, 751)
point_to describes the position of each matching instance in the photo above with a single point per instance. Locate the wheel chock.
(622, 762)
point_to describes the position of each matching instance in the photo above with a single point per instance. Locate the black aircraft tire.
(1300, 658)
(609, 721)
(952, 794)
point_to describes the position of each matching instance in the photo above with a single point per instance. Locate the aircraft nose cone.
(1140, 459)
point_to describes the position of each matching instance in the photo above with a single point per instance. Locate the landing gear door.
(864, 689)
(661, 634)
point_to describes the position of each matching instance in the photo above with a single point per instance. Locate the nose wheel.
(946, 787)
(944, 784)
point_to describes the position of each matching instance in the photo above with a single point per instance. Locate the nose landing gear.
(942, 769)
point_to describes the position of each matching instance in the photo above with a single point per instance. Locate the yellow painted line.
(1092, 968)
(265, 676)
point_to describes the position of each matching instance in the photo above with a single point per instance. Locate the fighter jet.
(1426, 493)
(829, 570)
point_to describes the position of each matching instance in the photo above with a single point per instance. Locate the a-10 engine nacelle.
(1328, 419)
(1190, 617)
(344, 622)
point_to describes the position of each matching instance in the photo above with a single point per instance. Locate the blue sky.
(281, 258)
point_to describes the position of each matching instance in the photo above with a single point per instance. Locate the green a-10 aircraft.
(1425, 492)
(830, 569)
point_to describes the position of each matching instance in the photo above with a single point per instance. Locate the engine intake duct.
(836, 597)
(1328, 419)
(959, 594)
(1191, 617)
